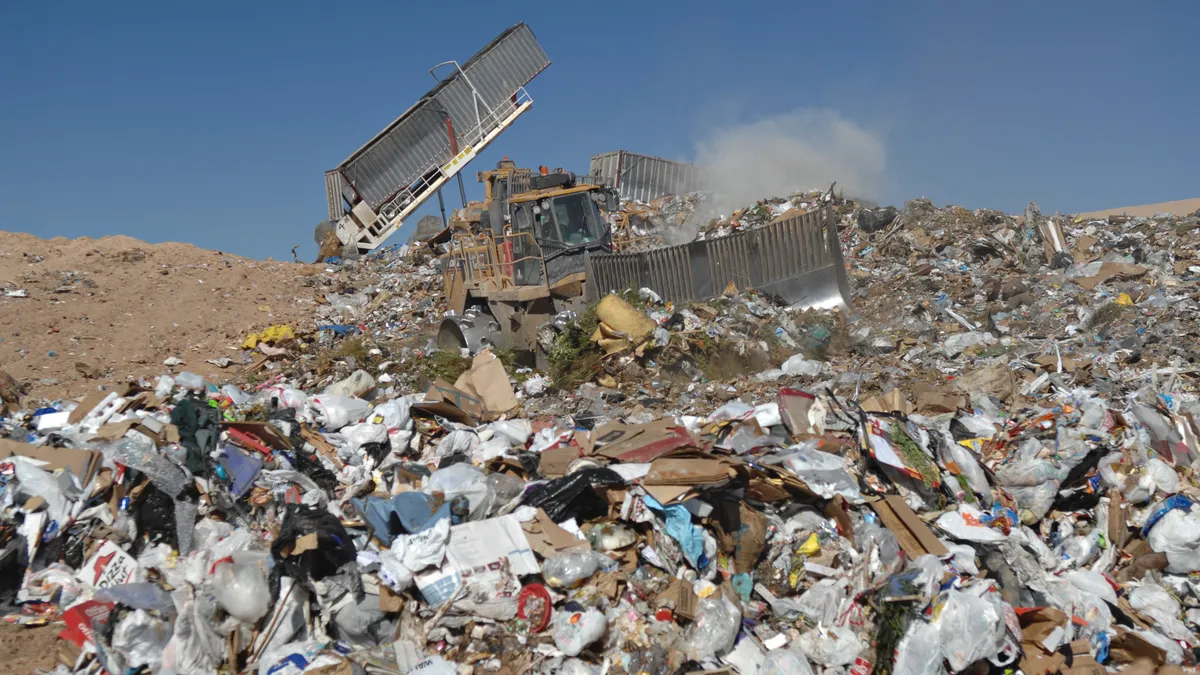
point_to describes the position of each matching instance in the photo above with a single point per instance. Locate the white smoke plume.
(806, 149)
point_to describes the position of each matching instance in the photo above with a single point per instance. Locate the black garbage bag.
(334, 546)
(199, 428)
(874, 220)
(156, 516)
(572, 496)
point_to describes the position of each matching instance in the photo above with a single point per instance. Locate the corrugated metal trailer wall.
(799, 259)
(419, 141)
(644, 178)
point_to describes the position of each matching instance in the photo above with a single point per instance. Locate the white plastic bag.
(241, 589)
(515, 432)
(463, 479)
(1177, 534)
(571, 568)
(823, 601)
(395, 414)
(785, 662)
(919, 652)
(969, 628)
(573, 631)
(714, 630)
(835, 646)
(141, 638)
(1093, 583)
(357, 384)
(798, 365)
(823, 472)
(335, 412)
(358, 435)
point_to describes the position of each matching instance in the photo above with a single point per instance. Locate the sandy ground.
(1181, 207)
(121, 306)
(28, 650)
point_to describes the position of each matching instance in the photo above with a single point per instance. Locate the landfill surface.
(987, 463)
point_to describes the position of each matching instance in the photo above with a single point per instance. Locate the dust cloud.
(805, 149)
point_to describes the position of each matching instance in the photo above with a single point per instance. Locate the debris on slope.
(988, 463)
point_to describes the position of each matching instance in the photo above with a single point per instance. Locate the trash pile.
(988, 463)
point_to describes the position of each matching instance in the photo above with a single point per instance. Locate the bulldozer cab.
(566, 224)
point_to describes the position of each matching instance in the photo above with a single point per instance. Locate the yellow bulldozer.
(519, 267)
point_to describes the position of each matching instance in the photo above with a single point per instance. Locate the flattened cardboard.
(688, 471)
(1112, 270)
(794, 405)
(931, 399)
(641, 442)
(892, 401)
(914, 535)
(82, 463)
(548, 539)
(488, 383)
(445, 400)
(686, 600)
(555, 461)
(87, 405)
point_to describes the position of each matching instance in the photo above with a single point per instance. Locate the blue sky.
(213, 123)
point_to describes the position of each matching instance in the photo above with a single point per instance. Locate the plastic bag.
(137, 451)
(144, 595)
(236, 396)
(1165, 478)
(395, 415)
(358, 435)
(1156, 603)
(824, 473)
(572, 568)
(357, 384)
(466, 480)
(141, 638)
(242, 590)
(798, 365)
(822, 602)
(335, 412)
(187, 380)
(515, 432)
(785, 662)
(714, 630)
(35, 482)
(1093, 583)
(835, 646)
(459, 440)
(1177, 533)
(573, 631)
(411, 553)
(969, 628)
(919, 652)
(960, 342)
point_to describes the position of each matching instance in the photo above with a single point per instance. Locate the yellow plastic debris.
(1124, 299)
(811, 546)
(272, 335)
(621, 325)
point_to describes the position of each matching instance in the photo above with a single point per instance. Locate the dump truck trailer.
(381, 184)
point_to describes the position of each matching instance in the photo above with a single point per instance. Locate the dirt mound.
(120, 307)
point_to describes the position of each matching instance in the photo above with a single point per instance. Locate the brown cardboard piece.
(116, 430)
(1082, 662)
(487, 381)
(547, 539)
(641, 442)
(914, 535)
(82, 463)
(554, 462)
(892, 401)
(389, 600)
(667, 494)
(445, 400)
(1036, 626)
(688, 471)
(1112, 270)
(994, 380)
(686, 600)
(932, 399)
(87, 405)
(1128, 647)
(794, 405)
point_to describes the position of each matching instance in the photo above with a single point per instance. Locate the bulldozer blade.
(798, 259)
